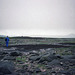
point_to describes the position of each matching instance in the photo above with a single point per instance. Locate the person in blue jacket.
(7, 41)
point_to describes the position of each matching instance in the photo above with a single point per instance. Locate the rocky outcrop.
(36, 62)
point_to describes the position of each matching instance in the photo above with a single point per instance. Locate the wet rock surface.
(40, 61)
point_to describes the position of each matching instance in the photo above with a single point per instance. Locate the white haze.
(37, 17)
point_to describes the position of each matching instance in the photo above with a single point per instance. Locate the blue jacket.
(7, 39)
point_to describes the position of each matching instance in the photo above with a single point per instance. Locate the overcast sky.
(37, 17)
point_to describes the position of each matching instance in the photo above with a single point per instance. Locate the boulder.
(9, 58)
(47, 57)
(34, 58)
(69, 56)
(16, 53)
(63, 72)
(6, 67)
(54, 62)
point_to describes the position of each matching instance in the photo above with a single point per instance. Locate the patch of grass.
(21, 58)
(63, 51)
(41, 66)
(19, 40)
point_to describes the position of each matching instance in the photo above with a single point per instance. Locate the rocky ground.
(37, 60)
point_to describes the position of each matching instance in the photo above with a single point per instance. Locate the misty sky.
(37, 17)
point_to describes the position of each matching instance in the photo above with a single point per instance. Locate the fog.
(37, 17)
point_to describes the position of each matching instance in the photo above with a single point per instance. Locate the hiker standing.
(7, 41)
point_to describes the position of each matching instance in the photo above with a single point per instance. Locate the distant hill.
(71, 36)
(42, 37)
(66, 36)
(2, 36)
(27, 37)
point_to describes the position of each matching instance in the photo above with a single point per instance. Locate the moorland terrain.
(37, 56)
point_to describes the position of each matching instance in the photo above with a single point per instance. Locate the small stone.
(61, 63)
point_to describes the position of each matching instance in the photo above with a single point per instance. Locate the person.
(7, 41)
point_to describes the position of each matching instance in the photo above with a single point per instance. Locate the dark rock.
(17, 53)
(68, 72)
(44, 62)
(48, 66)
(27, 73)
(54, 62)
(1, 74)
(20, 62)
(69, 56)
(59, 57)
(53, 73)
(47, 57)
(72, 71)
(3, 53)
(72, 61)
(37, 70)
(21, 71)
(65, 72)
(1, 57)
(68, 61)
(54, 53)
(72, 57)
(6, 67)
(9, 58)
(34, 58)
(64, 60)
(44, 73)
